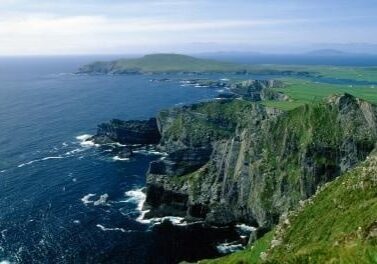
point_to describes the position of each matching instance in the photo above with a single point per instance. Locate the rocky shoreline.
(236, 161)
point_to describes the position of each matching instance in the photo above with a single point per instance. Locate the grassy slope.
(215, 120)
(340, 72)
(302, 92)
(339, 225)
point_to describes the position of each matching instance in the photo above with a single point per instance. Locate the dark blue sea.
(51, 183)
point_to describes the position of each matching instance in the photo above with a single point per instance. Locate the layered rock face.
(128, 132)
(257, 90)
(237, 161)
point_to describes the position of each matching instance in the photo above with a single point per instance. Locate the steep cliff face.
(257, 163)
(128, 132)
(335, 225)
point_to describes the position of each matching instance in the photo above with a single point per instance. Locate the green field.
(368, 74)
(302, 92)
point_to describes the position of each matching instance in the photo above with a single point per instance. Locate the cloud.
(47, 33)
(111, 26)
(50, 25)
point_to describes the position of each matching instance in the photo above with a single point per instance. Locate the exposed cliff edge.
(237, 161)
(336, 225)
(123, 136)
(128, 132)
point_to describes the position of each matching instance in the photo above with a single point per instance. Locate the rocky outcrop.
(181, 162)
(237, 161)
(253, 90)
(257, 90)
(128, 132)
(270, 94)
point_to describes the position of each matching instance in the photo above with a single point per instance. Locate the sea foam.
(102, 200)
(112, 229)
(84, 142)
(226, 248)
(138, 197)
(38, 160)
(117, 158)
(86, 198)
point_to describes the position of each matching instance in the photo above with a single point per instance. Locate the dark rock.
(220, 215)
(125, 153)
(128, 132)
(161, 202)
(228, 96)
(255, 90)
(181, 162)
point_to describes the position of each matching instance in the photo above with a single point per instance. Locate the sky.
(58, 27)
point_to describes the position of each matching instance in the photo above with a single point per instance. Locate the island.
(177, 63)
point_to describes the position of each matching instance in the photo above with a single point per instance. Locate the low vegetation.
(306, 92)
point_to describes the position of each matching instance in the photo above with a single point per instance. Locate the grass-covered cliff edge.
(239, 161)
(337, 225)
(234, 161)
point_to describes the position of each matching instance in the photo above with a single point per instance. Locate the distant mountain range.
(327, 52)
(319, 52)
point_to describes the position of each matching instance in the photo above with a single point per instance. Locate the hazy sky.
(139, 26)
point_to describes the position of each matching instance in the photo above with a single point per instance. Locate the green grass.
(354, 73)
(204, 122)
(340, 226)
(338, 72)
(250, 255)
(283, 105)
(305, 92)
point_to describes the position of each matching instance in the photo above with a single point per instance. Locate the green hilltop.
(170, 63)
(161, 63)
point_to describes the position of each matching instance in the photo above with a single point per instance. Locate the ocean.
(49, 179)
(66, 201)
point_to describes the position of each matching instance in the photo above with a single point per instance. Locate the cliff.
(128, 132)
(238, 161)
(336, 225)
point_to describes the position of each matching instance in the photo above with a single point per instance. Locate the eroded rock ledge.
(128, 132)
